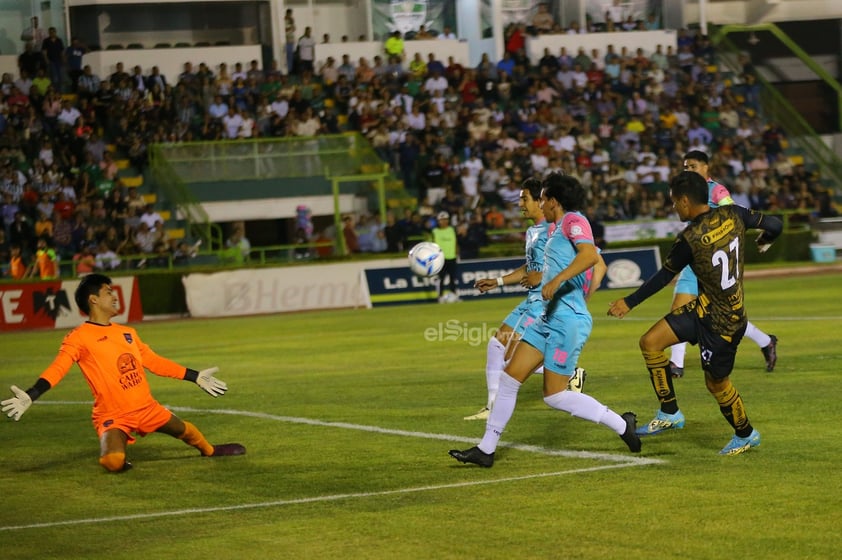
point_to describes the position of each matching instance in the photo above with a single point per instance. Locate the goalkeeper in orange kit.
(112, 358)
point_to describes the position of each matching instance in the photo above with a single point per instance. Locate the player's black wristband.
(41, 386)
(191, 375)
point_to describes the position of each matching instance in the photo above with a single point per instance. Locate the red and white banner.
(40, 305)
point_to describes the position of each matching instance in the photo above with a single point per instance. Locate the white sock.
(677, 352)
(759, 337)
(494, 361)
(586, 407)
(500, 415)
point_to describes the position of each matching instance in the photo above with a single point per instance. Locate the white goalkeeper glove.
(762, 244)
(17, 405)
(210, 384)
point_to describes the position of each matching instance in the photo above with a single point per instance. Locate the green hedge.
(790, 246)
(162, 293)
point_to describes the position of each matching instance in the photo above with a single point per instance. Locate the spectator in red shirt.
(63, 207)
(595, 75)
(468, 89)
(515, 40)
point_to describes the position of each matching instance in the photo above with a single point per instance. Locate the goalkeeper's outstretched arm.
(22, 400)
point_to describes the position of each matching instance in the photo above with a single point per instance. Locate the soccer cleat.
(662, 422)
(473, 455)
(739, 444)
(576, 383)
(228, 450)
(770, 352)
(126, 467)
(676, 371)
(630, 435)
(483, 414)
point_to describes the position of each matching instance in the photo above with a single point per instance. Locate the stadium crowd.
(462, 139)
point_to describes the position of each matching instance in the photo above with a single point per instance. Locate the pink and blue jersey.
(571, 230)
(718, 195)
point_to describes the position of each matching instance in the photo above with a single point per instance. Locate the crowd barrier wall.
(632, 40)
(441, 49)
(170, 61)
(368, 283)
(51, 304)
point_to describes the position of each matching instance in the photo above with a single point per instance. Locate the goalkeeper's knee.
(113, 462)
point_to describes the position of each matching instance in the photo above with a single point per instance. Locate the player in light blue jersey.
(557, 338)
(501, 346)
(687, 285)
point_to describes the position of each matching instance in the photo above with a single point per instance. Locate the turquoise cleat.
(662, 422)
(739, 444)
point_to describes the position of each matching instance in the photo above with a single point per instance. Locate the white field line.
(296, 501)
(618, 462)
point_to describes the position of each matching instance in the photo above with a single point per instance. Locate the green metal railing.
(270, 158)
(175, 190)
(343, 159)
(775, 105)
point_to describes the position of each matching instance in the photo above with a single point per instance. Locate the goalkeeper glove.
(17, 405)
(210, 384)
(762, 243)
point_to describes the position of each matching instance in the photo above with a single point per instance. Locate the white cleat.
(577, 380)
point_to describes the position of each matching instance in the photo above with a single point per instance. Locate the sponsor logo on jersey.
(712, 237)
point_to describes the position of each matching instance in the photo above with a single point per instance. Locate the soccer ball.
(426, 259)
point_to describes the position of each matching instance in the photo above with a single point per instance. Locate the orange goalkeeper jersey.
(112, 359)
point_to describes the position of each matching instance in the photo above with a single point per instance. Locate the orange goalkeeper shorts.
(141, 421)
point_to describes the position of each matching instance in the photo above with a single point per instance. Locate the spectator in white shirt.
(151, 218)
(437, 100)
(447, 33)
(232, 122)
(416, 120)
(435, 83)
(68, 114)
(217, 109)
(247, 128)
(540, 161)
(470, 187)
(239, 73)
(105, 258)
(580, 78)
(474, 165)
(563, 141)
(646, 172)
(280, 106)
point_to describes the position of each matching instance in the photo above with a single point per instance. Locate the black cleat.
(228, 449)
(630, 436)
(676, 371)
(126, 467)
(770, 352)
(473, 455)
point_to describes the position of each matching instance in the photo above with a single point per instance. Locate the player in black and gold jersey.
(713, 245)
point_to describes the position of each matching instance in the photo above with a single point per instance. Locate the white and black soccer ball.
(426, 259)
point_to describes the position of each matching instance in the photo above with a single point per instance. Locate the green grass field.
(348, 416)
